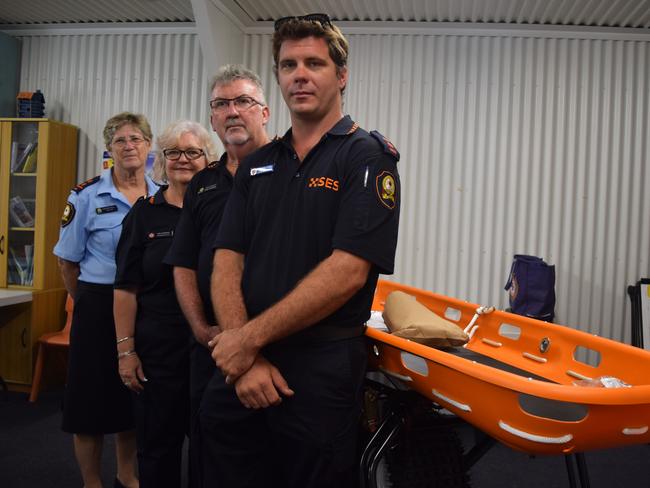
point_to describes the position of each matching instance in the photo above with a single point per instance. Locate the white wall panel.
(88, 78)
(534, 145)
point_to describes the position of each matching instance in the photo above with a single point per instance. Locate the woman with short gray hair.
(153, 335)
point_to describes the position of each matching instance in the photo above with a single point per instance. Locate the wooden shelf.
(45, 191)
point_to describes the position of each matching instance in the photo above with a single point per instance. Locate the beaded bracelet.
(124, 354)
(120, 341)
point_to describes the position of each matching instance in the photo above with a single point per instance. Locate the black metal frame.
(634, 291)
(396, 417)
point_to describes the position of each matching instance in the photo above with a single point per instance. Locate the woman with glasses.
(152, 333)
(95, 401)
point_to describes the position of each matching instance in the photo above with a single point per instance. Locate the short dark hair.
(299, 28)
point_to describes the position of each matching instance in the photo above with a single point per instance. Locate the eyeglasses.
(241, 103)
(322, 19)
(122, 141)
(190, 154)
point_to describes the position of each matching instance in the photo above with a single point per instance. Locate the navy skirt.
(95, 400)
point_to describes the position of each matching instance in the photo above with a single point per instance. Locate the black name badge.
(203, 189)
(160, 235)
(103, 210)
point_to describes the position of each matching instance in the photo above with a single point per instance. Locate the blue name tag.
(262, 169)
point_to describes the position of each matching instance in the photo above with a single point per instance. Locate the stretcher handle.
(534, 437)
(471, 329)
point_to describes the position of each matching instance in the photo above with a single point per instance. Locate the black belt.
(96, 287)
(324, 333)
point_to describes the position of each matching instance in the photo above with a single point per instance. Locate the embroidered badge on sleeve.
(68, 214)
(386, 189)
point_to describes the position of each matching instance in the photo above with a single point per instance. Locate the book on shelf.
(20, 216)
(29, 264)
(30, 162)
(14, 269)
(17, 149)
(17, 268)
(21, 267)
(23, 154)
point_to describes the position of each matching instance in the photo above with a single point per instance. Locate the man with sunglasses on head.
(311, 221)
(238, 114)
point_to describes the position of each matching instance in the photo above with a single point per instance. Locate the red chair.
(53, 339)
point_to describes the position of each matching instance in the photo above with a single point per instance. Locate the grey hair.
(229, 73)
(116, 122)
(170, 137)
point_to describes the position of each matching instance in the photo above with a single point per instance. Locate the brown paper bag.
(408, 318)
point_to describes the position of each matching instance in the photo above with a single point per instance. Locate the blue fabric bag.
(531, 286)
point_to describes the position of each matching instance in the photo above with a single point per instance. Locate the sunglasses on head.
(322, 19)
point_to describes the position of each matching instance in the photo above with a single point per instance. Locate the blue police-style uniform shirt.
(91, 227)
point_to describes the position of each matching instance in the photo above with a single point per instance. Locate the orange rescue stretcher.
(522, 381)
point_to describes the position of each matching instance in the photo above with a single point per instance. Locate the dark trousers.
(162, 410)
(202, 367)
(308, 441)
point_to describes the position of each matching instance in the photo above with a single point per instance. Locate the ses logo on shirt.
(323, 182)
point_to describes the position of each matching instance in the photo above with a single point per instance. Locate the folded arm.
(262, 383)
(323, 291)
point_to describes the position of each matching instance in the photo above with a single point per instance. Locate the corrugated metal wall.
(88, 78)
(510, 145)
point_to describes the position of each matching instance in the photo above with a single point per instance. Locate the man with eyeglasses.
(238, 114)
(311, 221)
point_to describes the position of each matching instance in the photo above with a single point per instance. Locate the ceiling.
(594, 13)
(94, 11)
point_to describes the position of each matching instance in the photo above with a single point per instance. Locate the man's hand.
(262, 385)
(206, 334)
(234, 352)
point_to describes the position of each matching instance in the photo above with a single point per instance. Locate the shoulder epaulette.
(353, 129)
(86, 183)
(387, 146)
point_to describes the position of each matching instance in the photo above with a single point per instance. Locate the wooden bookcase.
(38, 165)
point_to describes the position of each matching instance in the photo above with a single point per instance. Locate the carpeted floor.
(34, 453)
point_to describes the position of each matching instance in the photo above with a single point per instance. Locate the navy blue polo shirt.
(287, 216)
(147, 233)
(205, 199)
